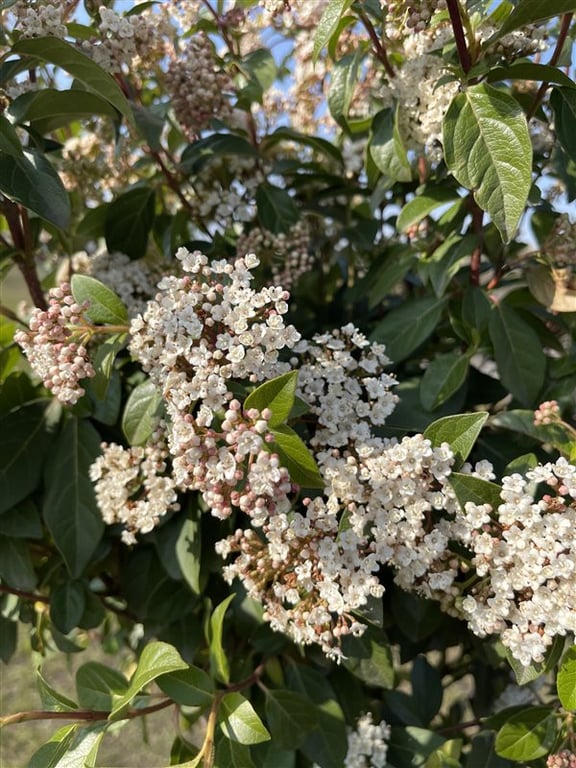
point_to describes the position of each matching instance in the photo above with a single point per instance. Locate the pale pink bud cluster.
(415, 16)
(564, 759)
(198, 86)
(49, 345)
(547, 412)
(289, 255)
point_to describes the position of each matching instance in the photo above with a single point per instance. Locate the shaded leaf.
(277, 210)
(219, 665)
(289, 716)
(97, 686)
(408, 326)
(527, 735)
(67, 603)
(141, 413)
(190, 687)
(129, 220)
(443, 377)
(566, 680)
(16, 567)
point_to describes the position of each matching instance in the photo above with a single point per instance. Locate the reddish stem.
(459, 36)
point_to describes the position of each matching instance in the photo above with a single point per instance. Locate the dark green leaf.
(150, 123)
(431, 198)
(426, 689)
(530, 70)
(459, 431)
(443, 377)
(70, 509)
(8, 639)
(31, 180)
(231, 754)
(50, 109)
(97, 686)
(474, 489)
(277, 395)
(22, 521)
(16, 568)
(106, 308)
(141, 413)
(67, 603)
(386, 147)
(277, 210)
(239, 721)
(563, 102)
(129, 219)
(405, 328)
(518, 352)
(9, 141)
(70, 59)
(25, 440)
(369, 658)
(482, 754)
(190, 687)
(289, 716)
(487, 147)
(189, 551)
(343, 80)
(531, 12)
(219, 665)
(412, 746)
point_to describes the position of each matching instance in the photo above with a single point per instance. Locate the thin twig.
(459, 36)
(561, 39)
(376, 42)
(81, 714)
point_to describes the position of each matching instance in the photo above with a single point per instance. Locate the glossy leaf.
(106, 307)
(296, 457)
(25, 441)
(487, 147)
(190, 687)
(408, 326)
(219, 665)
(459, 431)
(328, 24)
(51, 699)
(231, 754)
(527, 735)
(71, 60)
(529, 70)
(16, 569)
(386, 148)
(277, 210)
(49, 109)
(9, 142)
(430, 199)
(289, 716)
(31, 180)
(518, 352)
(443, 377)
(239, 721)
(157, 659)
(566, 680)
(141, 412)
(482, 754)
(343, 79)
(70, 510)
(50, 754)
(129, 220)
(97, 686)
(277, 395)
(475, 489)
(67, 603)
(189, 552)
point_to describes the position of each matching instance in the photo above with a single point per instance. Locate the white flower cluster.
(524, 554)
(225, 190)
(49, 345)
(198, 86)
(309, 575)
(127, 41)
(40, 20)
(208, 327)
(133, 485)
(288, 255)
(341, 377)
(367, 744)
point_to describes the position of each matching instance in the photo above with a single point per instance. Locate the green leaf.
(387, 149)
(532, 12)
(290, 716)
(50, 754)
(31, 180)
(277, 394)
(459, 431)
(277, 210)
(239, 721)
(71, 60)
(527, 735)
(482, 753)
(522, 421)
(157, 659)
(408, 326)
(475, 489)
(97, 686)
(322, 146)
(369, 658)
(443, 377)
(261, 66)
(488, 149)
(231, 754)
(566, 680)
(529, 70)
(8, 639)
(50, 109)
(388, 273)
(518, 353)
(70, 509)
(412, 746)
(106, 308)
(295, 456)
(563, 102)
(129, 220)
(9, 141)
(16, 567)
(189, 552)
(426, 688)
(328, 24)
(25, 441)
(343, 80)
(445, 261)
(190, 687)
(67, 603)
(219, 665)
(150, 124)
(141, 413)
(51, 699)
(428, 200)
(22, 521)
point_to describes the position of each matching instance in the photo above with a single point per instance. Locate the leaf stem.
(456, 19)
(377, 43)
(560, 40)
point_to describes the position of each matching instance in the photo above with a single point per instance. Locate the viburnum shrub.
(286, 413)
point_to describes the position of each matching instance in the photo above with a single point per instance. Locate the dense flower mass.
(367, 744)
